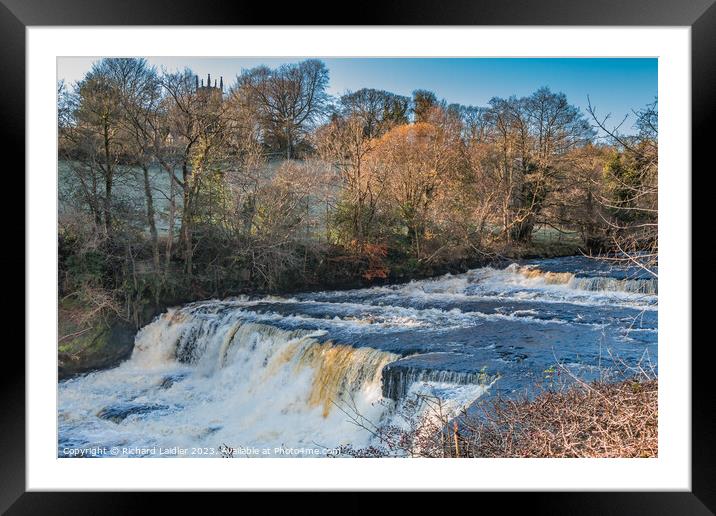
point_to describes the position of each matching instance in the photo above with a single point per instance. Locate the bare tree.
(97, 132)
(631, 197)
(288, 99)
(140, 98)
(195, 120)
(535, 135)
(378, 110)
(415, 161)
(344, 144)
(423, 102)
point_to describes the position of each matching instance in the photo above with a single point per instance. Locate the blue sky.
(614, 85)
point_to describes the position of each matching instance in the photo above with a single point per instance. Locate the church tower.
(210, 90)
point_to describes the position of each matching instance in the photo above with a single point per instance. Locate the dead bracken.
(588, 420)
(585, 420)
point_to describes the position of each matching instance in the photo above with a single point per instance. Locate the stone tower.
(210, 90)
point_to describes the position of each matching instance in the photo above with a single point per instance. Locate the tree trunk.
(172, 216)
(108, 180)
(522, 231)
(150, 219)
(186, 220)
(94, 202)
(152, 232)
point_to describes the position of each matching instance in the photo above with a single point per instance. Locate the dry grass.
(584, 420)
(598, 419)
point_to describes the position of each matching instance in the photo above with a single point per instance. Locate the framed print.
(445, 252)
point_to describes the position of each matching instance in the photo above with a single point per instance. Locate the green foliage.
(622, 178)
(86, 267)
(626, 178)
(213, 199)
(79, 266)
(352, 224)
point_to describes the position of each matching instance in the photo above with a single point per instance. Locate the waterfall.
(647, 286)
(327, 369)
(207, 374)
(211, 339)
(398, 379)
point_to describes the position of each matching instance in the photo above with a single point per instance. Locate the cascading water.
(592, 283)
(201, 376)
(292, 375)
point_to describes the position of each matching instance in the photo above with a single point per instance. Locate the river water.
(291, 373)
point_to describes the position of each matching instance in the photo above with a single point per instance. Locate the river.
(286, 372)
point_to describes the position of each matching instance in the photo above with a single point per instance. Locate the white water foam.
(202, 376)
(221, 372)
(524, 283)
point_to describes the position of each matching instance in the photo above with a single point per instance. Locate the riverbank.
(264, 370)
(595, 420)
(92, 339)
(582, 420)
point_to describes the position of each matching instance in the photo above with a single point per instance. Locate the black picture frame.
(700, 15)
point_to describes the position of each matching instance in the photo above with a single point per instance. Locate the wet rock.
(439, 367)
(102, 348)
(118, 413)
(170, 380)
